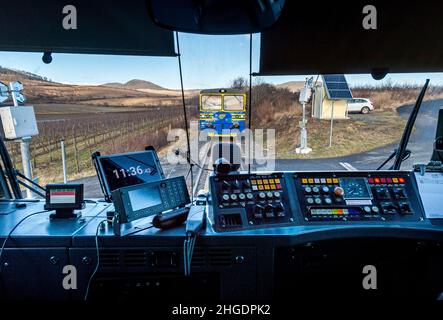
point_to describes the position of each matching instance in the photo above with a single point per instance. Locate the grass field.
(358, 134)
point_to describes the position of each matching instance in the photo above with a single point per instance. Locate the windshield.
(77, 100)
(233, 103)
(211, 103)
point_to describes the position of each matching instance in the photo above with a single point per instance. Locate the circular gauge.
(355, 188)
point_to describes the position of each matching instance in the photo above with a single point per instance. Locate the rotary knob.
(315, 190)
(269, 194)
(242, 196)
(308, 190)
(262, 195)
(225, 197)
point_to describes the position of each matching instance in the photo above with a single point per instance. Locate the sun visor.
(312, 37)
(82, 26)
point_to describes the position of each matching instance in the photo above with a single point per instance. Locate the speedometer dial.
(355, 188)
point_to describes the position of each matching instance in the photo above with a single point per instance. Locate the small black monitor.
(64, 199)
(127, 169)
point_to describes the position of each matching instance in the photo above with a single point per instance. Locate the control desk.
(265, 234)
(251, 201)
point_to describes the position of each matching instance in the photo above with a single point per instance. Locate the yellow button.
(304, 180)
(254, 181)
(259, 181)
(266, 187)
(265, 181)
(311, 180)
(271, 181)
(277, 180)
(335, 180)
(395, 180)
(272, 186)
(329, 180)
(260, 187)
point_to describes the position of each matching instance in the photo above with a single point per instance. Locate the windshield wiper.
(401, 153)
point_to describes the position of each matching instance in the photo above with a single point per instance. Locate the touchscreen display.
(144, 198)
(129, 169)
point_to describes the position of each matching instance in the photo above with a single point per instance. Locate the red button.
(377, 180)
(389, 180)
(371, 180)
(401, 180)
(278, 186)
(383, 180)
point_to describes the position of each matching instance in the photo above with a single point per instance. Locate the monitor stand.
(64, 214)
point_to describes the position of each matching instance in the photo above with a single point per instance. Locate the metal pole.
(332, 123)
(26, 162)
(14, 98)
(65, 175)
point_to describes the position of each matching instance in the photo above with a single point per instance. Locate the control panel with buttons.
(357, 196)
(250, 201)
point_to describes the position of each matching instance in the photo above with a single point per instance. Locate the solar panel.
(337, 87)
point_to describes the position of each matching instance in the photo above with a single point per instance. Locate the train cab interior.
(246, 223)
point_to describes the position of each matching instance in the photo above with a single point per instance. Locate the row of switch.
(276, 210)
(250, 196)
(325, 200)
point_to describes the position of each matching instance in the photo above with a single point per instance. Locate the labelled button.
(276, 180)
(304, 181)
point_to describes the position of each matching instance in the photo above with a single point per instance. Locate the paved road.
(421, 145)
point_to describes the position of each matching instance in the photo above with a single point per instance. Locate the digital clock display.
(130, 169)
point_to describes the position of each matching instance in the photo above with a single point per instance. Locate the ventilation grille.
(231, 220)
(109, 258)
(220, 257)
(135, 258)
(212, 257)
(145, 258)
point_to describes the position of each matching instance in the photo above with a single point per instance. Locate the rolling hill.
(134, 84)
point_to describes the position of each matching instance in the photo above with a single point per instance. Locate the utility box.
(18, 122)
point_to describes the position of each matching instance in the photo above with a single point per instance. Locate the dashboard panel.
(251, 201)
